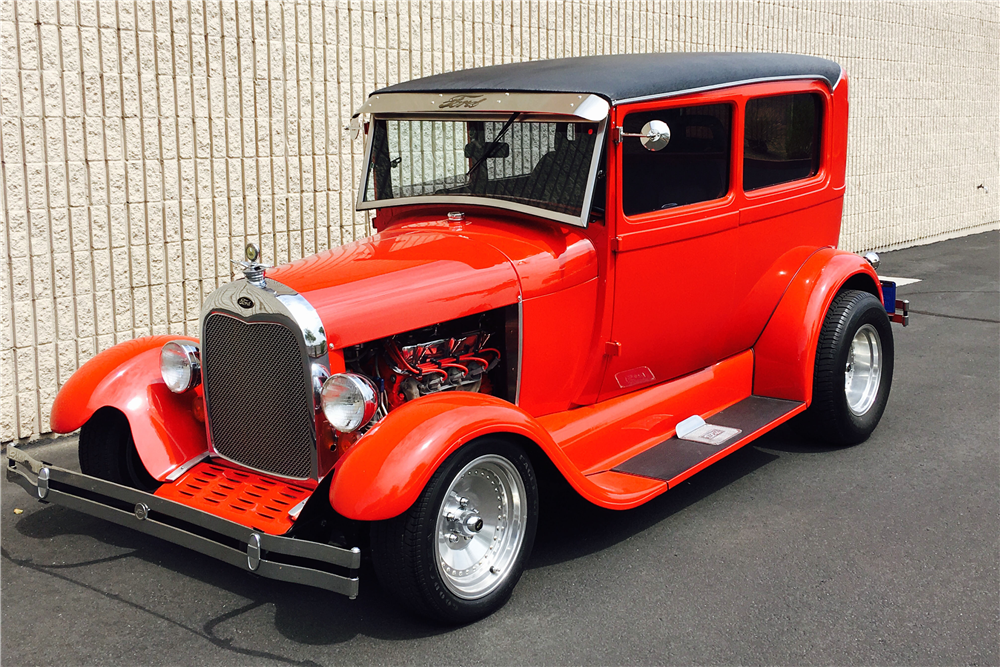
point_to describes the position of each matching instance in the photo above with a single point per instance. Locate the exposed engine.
(459, 355)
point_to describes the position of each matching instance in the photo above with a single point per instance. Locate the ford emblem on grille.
(245, 302)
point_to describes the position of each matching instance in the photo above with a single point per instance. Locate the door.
(790, 205)
(676, 246)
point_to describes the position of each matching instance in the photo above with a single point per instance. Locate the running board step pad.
(673, 457)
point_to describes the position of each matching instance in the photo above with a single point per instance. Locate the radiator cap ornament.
(251, 268)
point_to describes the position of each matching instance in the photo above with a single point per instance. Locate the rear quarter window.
(781, 139)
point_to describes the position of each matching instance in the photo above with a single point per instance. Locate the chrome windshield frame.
(464, 114)
(583, 106)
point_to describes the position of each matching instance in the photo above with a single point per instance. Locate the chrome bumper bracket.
(253, 552)
(42, 483)
(260, 553)
(902, 314)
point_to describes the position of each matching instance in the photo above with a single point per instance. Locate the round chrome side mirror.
(656, 135)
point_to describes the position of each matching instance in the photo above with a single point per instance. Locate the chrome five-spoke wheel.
(480, 526)
(864, 370)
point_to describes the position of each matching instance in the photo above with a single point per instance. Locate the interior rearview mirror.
(476, 150)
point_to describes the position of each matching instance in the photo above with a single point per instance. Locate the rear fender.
(384, 473)
(785, 352)
(127, 377)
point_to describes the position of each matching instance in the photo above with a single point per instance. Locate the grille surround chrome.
(262, 447)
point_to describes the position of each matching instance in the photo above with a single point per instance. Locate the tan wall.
(144, 143)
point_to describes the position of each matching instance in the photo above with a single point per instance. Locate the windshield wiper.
(494, 144)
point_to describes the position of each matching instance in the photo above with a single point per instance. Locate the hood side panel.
(547, 257)
(547, 260)
(394, 282)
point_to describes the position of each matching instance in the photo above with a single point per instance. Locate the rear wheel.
(853, 372)
(108, 452)
(456, 555)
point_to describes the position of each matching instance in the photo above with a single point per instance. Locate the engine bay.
(465, 354)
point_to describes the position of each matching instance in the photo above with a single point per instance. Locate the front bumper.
(283, 558)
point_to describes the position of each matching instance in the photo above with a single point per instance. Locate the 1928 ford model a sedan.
(621, 268)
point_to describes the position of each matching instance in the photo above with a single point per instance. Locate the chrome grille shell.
(258, 359)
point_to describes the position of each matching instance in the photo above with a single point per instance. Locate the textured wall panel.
(144, 143)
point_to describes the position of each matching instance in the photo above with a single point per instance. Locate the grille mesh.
(259, 406)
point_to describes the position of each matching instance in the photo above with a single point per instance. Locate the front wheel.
(456, 555)
(853, 370)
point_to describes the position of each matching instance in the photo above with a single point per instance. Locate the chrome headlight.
(349, 401)
(180, 365)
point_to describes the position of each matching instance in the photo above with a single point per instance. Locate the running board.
(675, 460)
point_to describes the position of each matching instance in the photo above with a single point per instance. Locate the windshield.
(539, 164)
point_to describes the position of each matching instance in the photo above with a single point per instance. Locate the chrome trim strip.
(482, 116)
(520, 347)
(366, 168)
(595, 165)
(166, 519)
(475, 201)
(313, 333)
(295, 511)
(511, 339)
(587, 106)
(184, 467)
(319, 375)
(839, 79)
(577, 221)
(728, 84)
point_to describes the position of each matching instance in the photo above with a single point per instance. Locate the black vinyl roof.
(625, 77)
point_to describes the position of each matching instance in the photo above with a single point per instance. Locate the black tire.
(830, 417)
(108, 452)
(404, 549)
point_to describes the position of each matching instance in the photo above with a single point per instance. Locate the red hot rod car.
(621, 268)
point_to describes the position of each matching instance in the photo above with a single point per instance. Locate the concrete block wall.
(143, 143)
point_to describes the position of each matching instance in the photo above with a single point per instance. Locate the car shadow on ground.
(560, 540)
(311, 616)
(301, 614)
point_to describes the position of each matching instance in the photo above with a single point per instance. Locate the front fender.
(127, 377)
(384, 473)
(784, 354)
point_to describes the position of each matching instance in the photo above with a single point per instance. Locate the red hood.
(418, 274)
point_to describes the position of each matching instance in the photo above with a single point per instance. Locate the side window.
(781, 139)
(693, 167)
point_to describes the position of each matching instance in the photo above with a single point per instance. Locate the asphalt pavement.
(785, 552)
